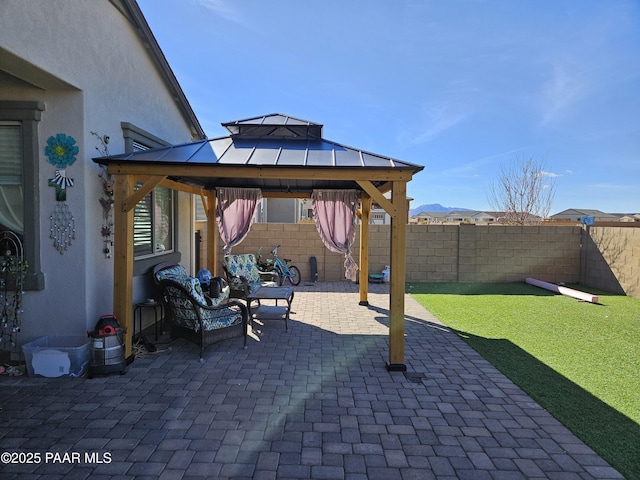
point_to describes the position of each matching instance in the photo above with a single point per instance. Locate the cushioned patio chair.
(244, 276)
(198, 318)
(173, 270)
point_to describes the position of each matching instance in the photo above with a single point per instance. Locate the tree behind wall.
(524, 190)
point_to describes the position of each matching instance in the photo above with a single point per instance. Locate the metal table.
(271, 312)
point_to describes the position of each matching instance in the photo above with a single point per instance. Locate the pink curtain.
(234, 213)
(334, 212)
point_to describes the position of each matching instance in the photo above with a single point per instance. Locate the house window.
(153, 223)
(19, 180)
(153, 216)
(11, 196)
(201, 215)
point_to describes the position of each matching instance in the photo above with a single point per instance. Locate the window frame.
(29, 114)
(153, 224)
(134, 135)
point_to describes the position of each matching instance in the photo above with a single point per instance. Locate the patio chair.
(244, 276)
(198, 318)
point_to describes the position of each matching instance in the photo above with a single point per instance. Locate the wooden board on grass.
(569, 292)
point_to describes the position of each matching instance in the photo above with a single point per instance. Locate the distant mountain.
(435, 207)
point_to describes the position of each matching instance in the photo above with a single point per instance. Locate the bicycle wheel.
(295, 277)
(280, 276)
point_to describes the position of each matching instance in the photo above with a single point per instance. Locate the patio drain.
(414, 377)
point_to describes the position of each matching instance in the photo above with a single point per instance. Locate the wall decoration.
(61, 151)
(13, 268)
(63, 227)
(61, 182)
(106, 198)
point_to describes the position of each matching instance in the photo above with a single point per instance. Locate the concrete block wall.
(609, 257)
(475, 253)
(497, 253)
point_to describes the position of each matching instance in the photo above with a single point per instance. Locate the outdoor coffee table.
(271, 312)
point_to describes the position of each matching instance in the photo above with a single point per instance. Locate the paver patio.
(313, 403)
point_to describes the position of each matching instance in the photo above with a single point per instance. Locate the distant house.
(457, 217)
(576, 215)
(630, 218)
(470, 216)
(431, 217)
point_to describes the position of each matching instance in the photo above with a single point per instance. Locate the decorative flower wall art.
(61, 151)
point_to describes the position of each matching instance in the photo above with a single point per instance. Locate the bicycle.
(283, 269)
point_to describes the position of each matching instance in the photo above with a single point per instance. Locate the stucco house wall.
(86, 63)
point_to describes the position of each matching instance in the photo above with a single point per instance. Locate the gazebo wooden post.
(123, 258)
(212, 242)
(397, 277)
(365, 213)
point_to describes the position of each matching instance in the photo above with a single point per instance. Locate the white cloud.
(611, 186)
(566, 87)
(473, 168)
(222, 8)
(434, 122)
(549, 174)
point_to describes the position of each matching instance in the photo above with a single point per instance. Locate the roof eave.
(131, 10)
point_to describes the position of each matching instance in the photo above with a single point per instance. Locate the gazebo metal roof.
(272, 141)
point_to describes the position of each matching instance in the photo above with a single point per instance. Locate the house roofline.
(131, 11)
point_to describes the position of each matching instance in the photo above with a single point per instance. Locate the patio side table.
(137, 312)
(271, 312)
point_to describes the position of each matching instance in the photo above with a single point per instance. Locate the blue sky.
(462, 87)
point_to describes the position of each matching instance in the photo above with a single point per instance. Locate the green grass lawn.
(580, 361)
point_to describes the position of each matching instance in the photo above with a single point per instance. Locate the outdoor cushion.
(243, 265)
(243, 274)
(170, 270)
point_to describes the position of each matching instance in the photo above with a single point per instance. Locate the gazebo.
(284, 157)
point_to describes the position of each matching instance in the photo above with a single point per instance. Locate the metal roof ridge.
(165, 153)
(278, 155)
(253, 150)
(394, 161)
(204, 142)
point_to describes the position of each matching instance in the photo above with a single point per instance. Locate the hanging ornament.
(63, 227)
(61, 182)
(13, 269)
(61, 151)
(106, 200)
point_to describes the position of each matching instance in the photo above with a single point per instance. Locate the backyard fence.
(606, 257)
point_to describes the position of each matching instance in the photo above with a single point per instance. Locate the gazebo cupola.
(274, 125)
